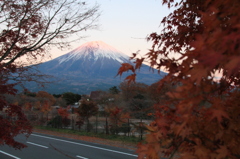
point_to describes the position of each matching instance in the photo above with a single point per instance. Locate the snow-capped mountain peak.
(92, 66)
(94, 50)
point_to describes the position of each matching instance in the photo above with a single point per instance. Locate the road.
(51, 147)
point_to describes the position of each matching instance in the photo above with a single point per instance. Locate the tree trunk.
(88, 126)
(107, 129)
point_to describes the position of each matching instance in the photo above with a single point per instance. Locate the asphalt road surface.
(51, 147)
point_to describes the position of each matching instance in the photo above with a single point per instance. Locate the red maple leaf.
(218, 114)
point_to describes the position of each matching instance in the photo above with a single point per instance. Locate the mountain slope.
(92, 66)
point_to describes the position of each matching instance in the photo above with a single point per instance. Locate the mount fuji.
(92, 66)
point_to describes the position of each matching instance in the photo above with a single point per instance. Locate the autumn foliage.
(117, 115)
(63, 112)
(85, 110)
(28, 29)
(199, 47)
(12, 119)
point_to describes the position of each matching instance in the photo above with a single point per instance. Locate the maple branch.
(42, 32)
(16, 39)
(176, 149)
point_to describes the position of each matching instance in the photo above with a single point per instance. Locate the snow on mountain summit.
(94, 50)
(92, 66)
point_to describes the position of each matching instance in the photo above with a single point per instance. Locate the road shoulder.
(119, 144)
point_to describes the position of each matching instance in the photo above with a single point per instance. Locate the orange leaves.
(114, 111)
(131, 78)
(133, 55)
(222, 152)
(46, 97)
(198, 73)
(45, 107)
(217, 114)
(163, 124)
(28, 106)
(174, 95)
(233, 65)
(199, 132)
(138, 63)
(128, 67)
(151, 128)
(63, 112)
(201, 152)
(117, 113)
(125, 68)
(202, 119)
(217, 111)
(149, 151)
(15, 121)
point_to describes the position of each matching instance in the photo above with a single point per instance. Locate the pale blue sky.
(124, 24)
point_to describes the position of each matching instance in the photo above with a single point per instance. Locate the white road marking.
(5, 153)
(100, 148)
(81, 157)
(37, 145)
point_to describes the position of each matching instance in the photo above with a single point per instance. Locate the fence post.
(72, 123)
(141, 128)
(107, 130)
(96, 123)
(47, 118)
(128, 127)
(116, 130)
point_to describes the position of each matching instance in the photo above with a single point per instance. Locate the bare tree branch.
(42, 24)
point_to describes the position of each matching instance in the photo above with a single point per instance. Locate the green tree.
(71, 98)
(114, 90)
